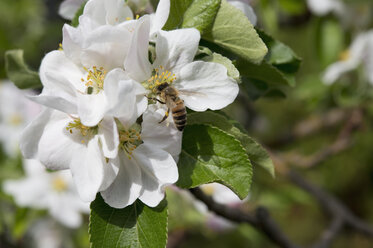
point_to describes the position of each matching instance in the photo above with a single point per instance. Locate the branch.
(332, 205)
(343, 142)
(260, 220)
(329, 234)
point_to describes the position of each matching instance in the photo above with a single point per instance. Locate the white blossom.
(68, 8)
(359, 53)
(16, 112)
(52, 191)
(78, 131)
(201, 85)
(324, 7)
(146, 162)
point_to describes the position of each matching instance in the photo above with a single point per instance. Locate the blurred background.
(324, 131)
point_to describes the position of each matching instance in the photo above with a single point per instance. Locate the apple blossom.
(68, 8)
(52, 191)
(146, 161)
(360, 52)
(201, 85)
(323, 7)
(16, 112)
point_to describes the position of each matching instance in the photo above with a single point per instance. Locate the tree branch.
(260, 220)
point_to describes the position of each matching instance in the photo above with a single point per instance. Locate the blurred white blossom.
(16, 111)
(53, 191)
(324, 7)
(359, 53)
(68, 8)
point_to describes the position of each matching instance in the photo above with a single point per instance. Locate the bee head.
(162, 86)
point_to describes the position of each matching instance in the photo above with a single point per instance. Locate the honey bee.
(170, 96)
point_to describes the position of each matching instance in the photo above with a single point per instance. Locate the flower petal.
(109, 137)
(87, 168)
(95, 10)
(158, 169)
(91, 108)
(159, 19)
(126, 98)
(62, 209)
(126, 187)
(204, 85)
(160, 135)
(104, 40)
(68, 8)
(137, 64)
(176, 48)
(117, 12)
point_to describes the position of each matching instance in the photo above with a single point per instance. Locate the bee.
(170, 96)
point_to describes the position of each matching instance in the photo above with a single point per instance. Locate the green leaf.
(199, 14)
(211, 155)
(256, 153)
(220, 59)
(134, 226)
(18, 72)
(232, 31)
(280, 55)
(79, 12)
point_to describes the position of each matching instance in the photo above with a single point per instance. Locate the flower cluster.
(115, 97)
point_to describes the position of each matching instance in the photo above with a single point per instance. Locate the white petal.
(68, 8)
(126, 187)
(28, 192)
(109, 137)
(208, 86)
(56, 145)
(160, 135)
(72, 42)
(105, 40)
(87, 168)
(117, 11)
(158, 169)
(334, 71)
(246, 9)
(126, 98)
(137, 63)
(176, 48)
(62, 209)
(91, 108)
(95, 10)
(32, 133)
(323, 7)
(160, 17)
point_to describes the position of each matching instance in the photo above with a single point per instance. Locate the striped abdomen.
(179, 114)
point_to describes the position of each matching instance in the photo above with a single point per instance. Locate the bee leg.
(155, 99)
(165, 116)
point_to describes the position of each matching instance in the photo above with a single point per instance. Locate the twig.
(343, 141)
(330, 234)
(332, 205)
(260, 220)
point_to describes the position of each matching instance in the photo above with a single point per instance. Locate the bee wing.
(191, 93)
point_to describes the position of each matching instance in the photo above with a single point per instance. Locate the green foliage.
(234, 32)
(18, 71)
(211, 155)
(274, 74)
(257, 154)
(220, 59)
(75, 20)
(134, 226)
(199, 14)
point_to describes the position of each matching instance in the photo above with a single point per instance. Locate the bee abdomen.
(179, 115)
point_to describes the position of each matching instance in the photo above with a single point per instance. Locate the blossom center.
(130, 139)
(15, 120)
(94, 80)
(345, 55)
(86, 132)
(59, 184)
(160, 76)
